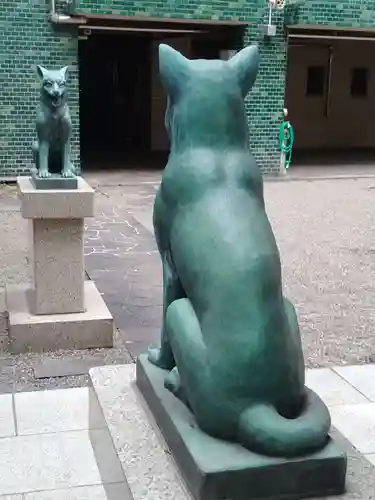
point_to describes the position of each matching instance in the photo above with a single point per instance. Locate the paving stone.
(64, 368)
(332, 388)
(117, 491)
(7, 427)
(357, 424)
(362, 377)
(56, 411)
(47, 462)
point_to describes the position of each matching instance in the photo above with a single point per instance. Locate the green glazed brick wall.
(343, 13)
(265, 103)
(26, 39)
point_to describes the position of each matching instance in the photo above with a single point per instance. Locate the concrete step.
(145, 458)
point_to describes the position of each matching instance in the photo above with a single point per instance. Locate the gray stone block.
(37, 333)
(54, 182)
(215, 469)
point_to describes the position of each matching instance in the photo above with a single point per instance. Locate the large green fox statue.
(230, 339)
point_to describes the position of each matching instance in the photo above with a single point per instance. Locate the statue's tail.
(263, 430)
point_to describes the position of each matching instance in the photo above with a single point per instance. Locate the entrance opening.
(122, 102)
(330, 97)
(115, 79)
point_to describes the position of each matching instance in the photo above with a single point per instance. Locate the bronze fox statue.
(230, 339)
(53, 125)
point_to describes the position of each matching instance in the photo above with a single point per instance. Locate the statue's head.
(207, 95)
(53, 85)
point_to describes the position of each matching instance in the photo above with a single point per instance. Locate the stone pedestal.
(58, 309)
(58, 266)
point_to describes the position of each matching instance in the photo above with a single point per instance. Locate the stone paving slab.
(68, 458)
(357, 423)
(17, 371)
(48, 368)
(362, 377)
(62, 410)
(122, 258)
(58, 448)
(332, 388)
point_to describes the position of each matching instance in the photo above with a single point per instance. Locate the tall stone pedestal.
(58, 310)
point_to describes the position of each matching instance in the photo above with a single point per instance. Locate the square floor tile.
(357, 424)
(362, 377)
(46, 462)
(56, 411)
(119, 491)
(332, 388)
(6, 416)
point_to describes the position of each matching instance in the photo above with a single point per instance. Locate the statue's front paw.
(172, 381)
(155, 356)
(43, 174)
(67, 174)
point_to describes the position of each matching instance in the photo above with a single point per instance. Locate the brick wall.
(265, 103)
(344, 13)
(26, 39)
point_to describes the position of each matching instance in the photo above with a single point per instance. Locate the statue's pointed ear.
(173, 68)
(246, 65)
(64, 72)
(41, 71)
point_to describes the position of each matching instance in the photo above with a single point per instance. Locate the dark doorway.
(115, 76)
(205, 48)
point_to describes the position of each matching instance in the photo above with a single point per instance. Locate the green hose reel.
(287, 141)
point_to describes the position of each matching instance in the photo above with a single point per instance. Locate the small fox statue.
(53, 125)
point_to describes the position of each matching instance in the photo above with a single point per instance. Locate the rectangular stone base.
(28, 332)
(215, 469)
(56, 181)
(55, 203)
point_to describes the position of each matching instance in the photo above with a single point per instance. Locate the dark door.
(115, 79)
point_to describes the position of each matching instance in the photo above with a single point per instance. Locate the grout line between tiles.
(23, 495)
(51, 433)
(14, 415)
(353, 386)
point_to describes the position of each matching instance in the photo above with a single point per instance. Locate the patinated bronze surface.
(230, 339)
(53, 126)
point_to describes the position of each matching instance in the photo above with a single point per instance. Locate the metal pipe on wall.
(62, 18)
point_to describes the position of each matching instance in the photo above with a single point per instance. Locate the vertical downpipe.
(327, 104)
